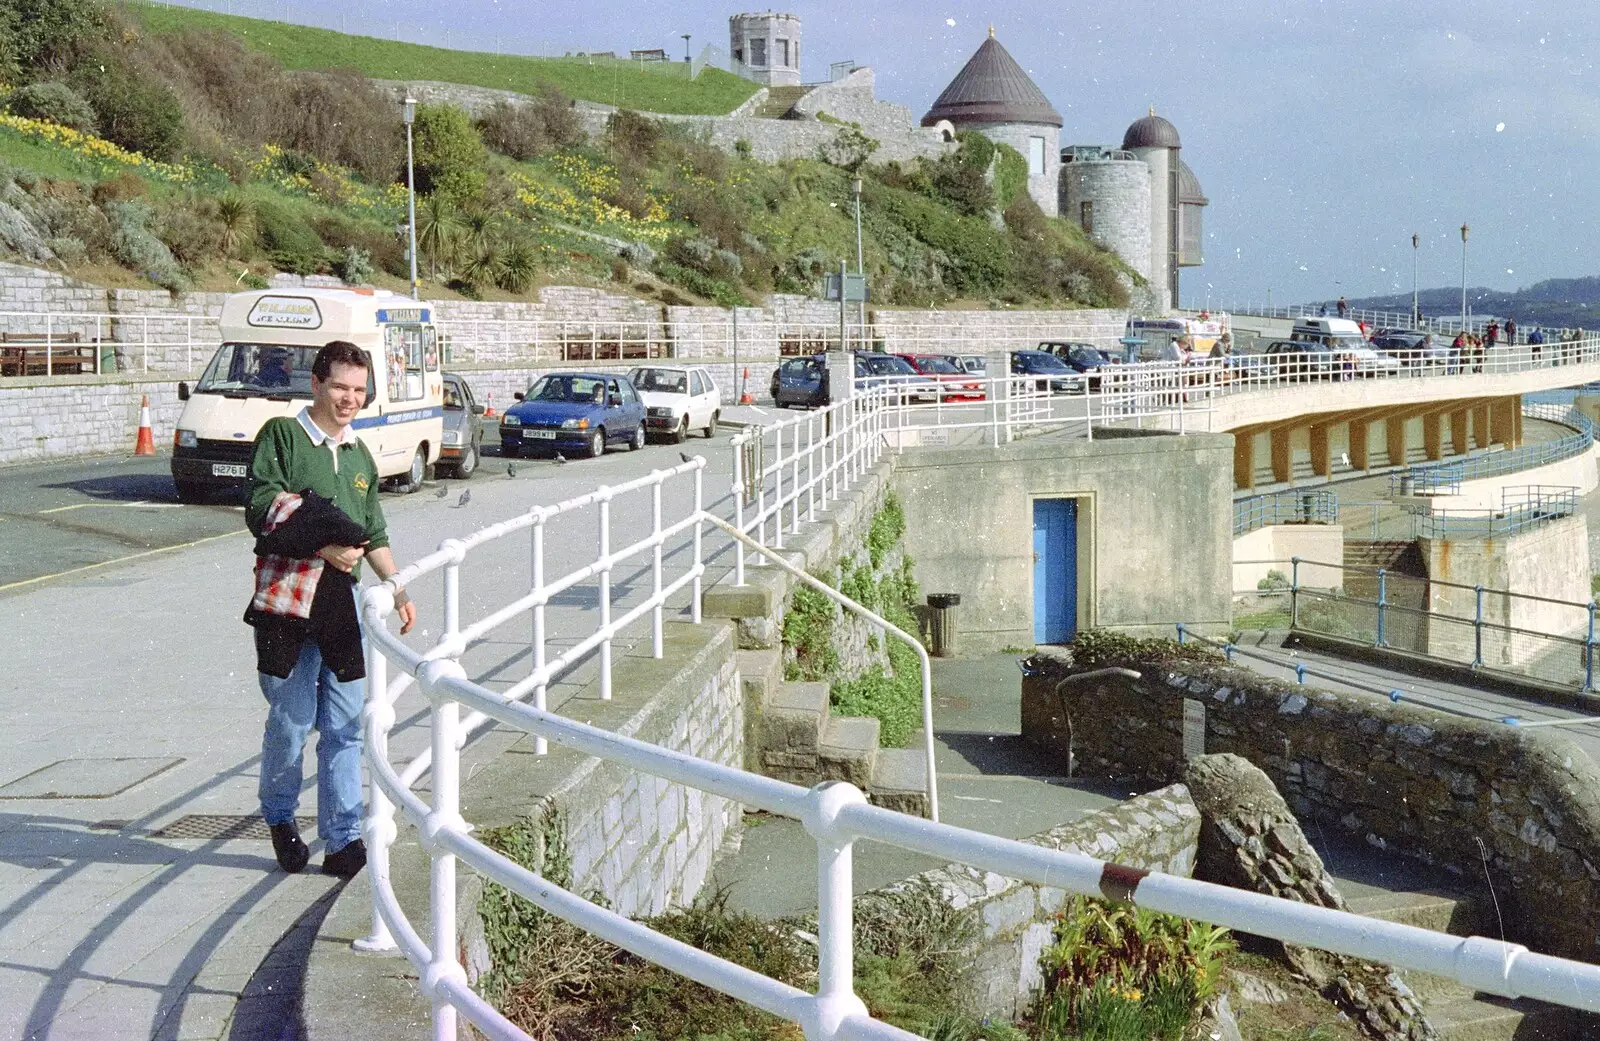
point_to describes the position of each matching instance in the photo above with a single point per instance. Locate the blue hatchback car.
(574, 411)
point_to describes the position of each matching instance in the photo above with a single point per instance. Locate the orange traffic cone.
(146, 444)
(488, 408)
(744, 396)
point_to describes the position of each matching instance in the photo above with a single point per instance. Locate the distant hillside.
(1553, 303)
(663, 87)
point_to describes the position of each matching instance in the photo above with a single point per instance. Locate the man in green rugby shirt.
(310, 672)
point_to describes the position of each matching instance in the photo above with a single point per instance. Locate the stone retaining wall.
(1158, 831)
(1447, 790)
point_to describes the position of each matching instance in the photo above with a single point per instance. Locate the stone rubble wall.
(1444, 789)
(1158, 831)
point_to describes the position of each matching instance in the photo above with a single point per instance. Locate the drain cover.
(225, 826)
(86, 778)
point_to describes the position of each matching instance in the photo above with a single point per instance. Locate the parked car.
(955, 383)
(678, 400)
(1369, 362)
(893, 370)
(463, 429)
(1081, 357)
(575, 411)
(974, 363)
(1053, 372)
(1413, 349)
(803, 382)
(1303, 360)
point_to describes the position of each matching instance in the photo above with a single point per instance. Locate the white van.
(1336, 332)
(263, 369)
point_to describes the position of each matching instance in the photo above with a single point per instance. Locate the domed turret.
(1151, 132)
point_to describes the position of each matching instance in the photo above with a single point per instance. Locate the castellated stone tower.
(994, 96)
(1107, 193)
(768, 45)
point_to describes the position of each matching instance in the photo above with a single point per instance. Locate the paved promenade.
(131, 707)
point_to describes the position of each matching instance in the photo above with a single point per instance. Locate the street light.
(686, 57)
(1416, 240)
(1463, 278)
(855, 186)
(410, 109)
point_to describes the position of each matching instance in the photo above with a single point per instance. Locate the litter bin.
(1408, 484)
(942, 623)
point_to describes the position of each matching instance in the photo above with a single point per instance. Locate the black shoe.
(346, 861)
(292, 853)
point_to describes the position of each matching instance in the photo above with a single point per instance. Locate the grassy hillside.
(664, 87)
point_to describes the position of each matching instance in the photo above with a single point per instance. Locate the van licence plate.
(228, 470)
(547, 435)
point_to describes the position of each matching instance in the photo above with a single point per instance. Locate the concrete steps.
(792, 735)
(1456, 1012)
(779, 101)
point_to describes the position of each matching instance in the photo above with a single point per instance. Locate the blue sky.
(1324, 134)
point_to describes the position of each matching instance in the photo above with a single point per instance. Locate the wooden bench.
(35, 354)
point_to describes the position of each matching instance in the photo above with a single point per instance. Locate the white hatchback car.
(678, 399)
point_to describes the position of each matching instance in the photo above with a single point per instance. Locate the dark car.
(576, 411)
(1082, 358)
(463, 429)
(1303, 360)
(801, 383)
(1053, 372)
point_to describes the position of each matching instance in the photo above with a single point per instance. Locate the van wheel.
(597, 443)
(411, 480)
(637, 441)
(711, 428)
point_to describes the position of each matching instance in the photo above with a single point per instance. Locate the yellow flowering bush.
(578, 197)
(96, 151)
(299, 174)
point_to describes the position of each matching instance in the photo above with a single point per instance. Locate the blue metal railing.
(1446, 478)
(1309, 507)
(1522, 507)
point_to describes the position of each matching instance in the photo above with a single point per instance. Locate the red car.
(955, 383)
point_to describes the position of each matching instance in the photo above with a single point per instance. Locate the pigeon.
(441, 493)
(560, 458)
(511, 470)
(686, 457)
(466, 497)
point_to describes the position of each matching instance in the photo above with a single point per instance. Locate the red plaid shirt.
(285, 585)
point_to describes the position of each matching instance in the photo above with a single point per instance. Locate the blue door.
(1055, 570)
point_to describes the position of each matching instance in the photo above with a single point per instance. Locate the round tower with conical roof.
(994, 96)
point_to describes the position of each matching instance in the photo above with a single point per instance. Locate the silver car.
(463, 430)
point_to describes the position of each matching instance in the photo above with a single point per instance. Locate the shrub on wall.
(449, 153)
(52, 102)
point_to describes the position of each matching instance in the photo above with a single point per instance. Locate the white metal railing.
(836, 815)
(1442, 323)
(140, 342)
(815, 456)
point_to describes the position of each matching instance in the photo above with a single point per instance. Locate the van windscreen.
(259, 370)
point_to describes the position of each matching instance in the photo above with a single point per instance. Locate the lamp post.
(410, 109)
(1463, 278)
(855, 186)
(1416, 240)
(686, 57)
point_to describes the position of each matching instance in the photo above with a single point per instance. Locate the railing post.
(738, 506)
(836, 997)
(1383, 602)
(49, 348)
(446, 778)
(794, 479)
(777, 489)
(378, 828)
(1183, 635)
(541, 746)
(1477, 627)
(656, 649)
(605, 593)
(1294, 592)
(811, 468)
(1588, 653)
(699, 539)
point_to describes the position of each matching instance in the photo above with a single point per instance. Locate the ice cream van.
(263, 369)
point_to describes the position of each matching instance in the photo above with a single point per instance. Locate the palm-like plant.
(519, 264)
(439, 225)
(238, 220)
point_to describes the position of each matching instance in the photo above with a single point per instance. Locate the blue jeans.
(312, 697)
